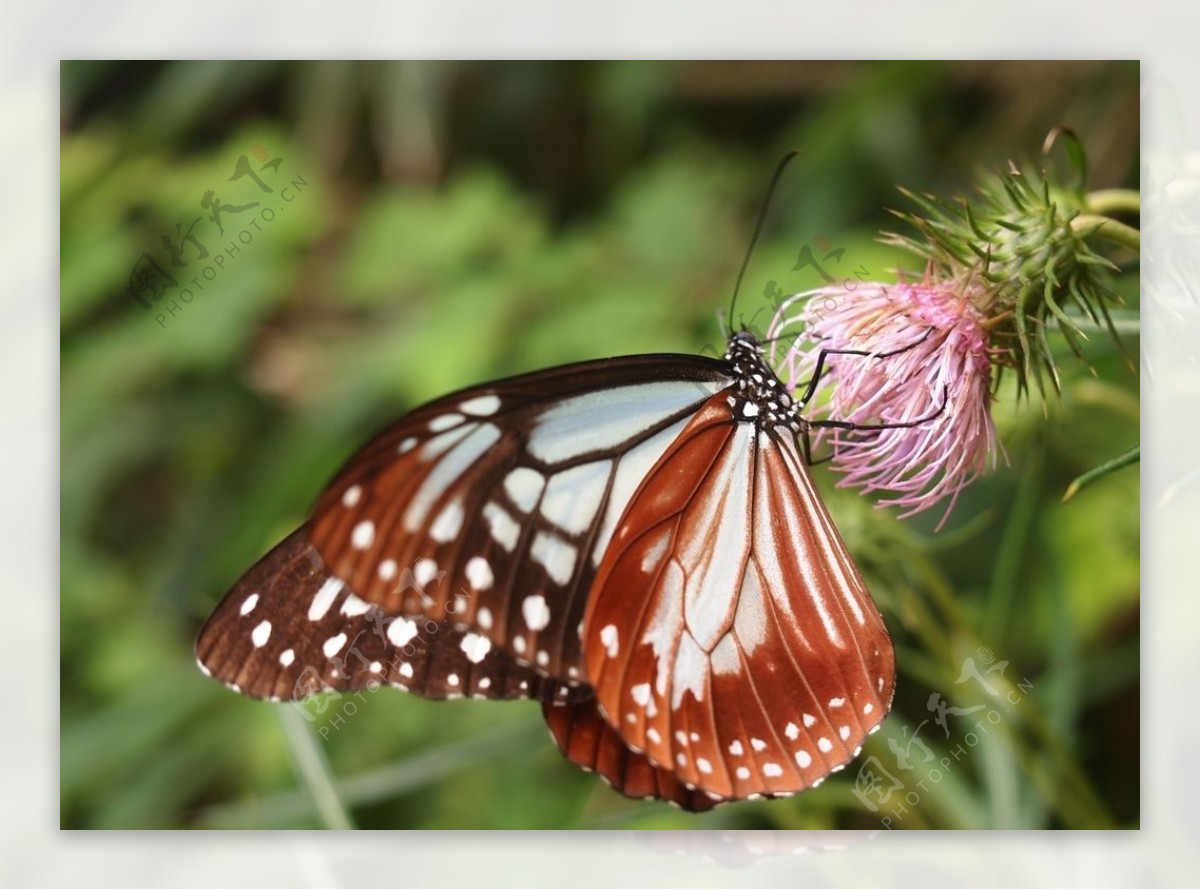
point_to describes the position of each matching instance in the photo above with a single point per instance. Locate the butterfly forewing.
(492, 508)
(289, 629)
(752, 660)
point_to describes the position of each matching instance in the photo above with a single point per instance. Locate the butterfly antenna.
(762, 215)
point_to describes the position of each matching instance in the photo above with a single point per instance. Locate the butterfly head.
(743, 343)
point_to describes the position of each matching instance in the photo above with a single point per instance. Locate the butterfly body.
(636, 542)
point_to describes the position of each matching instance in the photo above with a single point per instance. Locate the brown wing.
(289, 629)
(729, 636)
(492, 507)
(589, 742)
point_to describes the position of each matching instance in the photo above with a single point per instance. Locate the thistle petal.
(930, 366)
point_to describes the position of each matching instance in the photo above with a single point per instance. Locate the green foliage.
(569, 212)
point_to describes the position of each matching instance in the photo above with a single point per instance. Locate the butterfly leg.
(825, 353)
(869, 427)
(806, 447)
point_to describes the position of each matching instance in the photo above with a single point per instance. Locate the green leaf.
(1132, 456)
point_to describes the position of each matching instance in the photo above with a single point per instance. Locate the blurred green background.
(454, 222)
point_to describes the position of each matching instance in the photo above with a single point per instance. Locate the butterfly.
(634, 542)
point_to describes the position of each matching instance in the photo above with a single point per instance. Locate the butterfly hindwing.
(493, 507)
(753, 660)
(289, 629)
(589, 742)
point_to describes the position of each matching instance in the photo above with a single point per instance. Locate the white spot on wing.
(351, 496)
(354, 606)
(401, 630)
(524, 486)
(479, 576)
(324, 599)
(481, 406)
(502, 526)
(653, 554)
(334, 645)
(751, 619)
(286, 657)
(663, 629)
(809, 720)
(443, 422)
(611, 640)
(475, 647)
(605, 418)
(632, 468)
(690, 671)
(484, 618)
(735, 748)
(424, 571)
(535, 611)
(725, 658)
(640, 693)
(248, 604)
(758, 744)
(573, 496)
(261, 634)
(824, 745)
(448, 470)
(556, 556)
(803, 759)
(387, 569)
(363, 535)
(448, 523)
(772, 770)
(719, 578)
(792, 731)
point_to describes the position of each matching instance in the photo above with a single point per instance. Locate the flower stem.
(1109, 229)
(314, 770)
(1108, 201)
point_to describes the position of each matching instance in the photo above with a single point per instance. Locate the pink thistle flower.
(930, 359)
